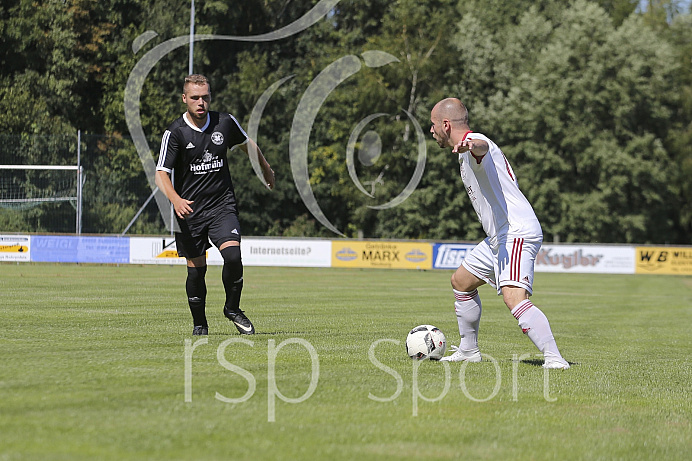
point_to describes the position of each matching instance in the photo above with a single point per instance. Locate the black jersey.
(197, 157)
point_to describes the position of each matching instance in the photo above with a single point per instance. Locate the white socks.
(468, 310)
(535, 325)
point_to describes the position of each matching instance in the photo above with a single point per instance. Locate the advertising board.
(381, 254)
(15, 248)
(664, 260)
(597, 259)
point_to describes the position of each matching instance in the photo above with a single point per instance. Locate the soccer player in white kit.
(505, 259)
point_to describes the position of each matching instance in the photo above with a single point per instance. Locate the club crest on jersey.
(217, 138)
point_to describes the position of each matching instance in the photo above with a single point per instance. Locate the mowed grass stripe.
(95, 356)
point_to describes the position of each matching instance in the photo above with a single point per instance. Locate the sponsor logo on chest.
(209, 163)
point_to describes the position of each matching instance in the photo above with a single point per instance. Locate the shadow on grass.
(540, 362)
(257, 333)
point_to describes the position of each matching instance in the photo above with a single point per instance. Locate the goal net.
(42, 197)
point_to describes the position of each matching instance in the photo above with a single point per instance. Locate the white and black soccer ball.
(426, 342)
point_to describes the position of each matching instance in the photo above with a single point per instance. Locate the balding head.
(451, 109)
(450, 120)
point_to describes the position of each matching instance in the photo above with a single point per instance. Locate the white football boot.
(459, 355)
(555, 362)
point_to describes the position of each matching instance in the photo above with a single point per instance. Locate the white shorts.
(510, 263)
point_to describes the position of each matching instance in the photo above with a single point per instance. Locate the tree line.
(590, 100)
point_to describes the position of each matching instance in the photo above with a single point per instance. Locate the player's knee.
(459, 284)
(231, 255)
(232, 272)
(465, 281)
(196, 274)
(455, 284)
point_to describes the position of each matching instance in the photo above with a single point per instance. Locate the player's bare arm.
(180, 205)
(266, 168)
(478, 147)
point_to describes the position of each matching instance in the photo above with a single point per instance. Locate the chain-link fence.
(114, 187)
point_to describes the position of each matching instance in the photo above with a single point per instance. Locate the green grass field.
(94, 367)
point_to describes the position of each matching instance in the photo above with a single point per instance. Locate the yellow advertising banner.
(16, 248)
(382, 255)
(663, 260)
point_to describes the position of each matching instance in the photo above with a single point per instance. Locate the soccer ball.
(426, 342)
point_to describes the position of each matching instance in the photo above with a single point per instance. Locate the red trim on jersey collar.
(478, 159)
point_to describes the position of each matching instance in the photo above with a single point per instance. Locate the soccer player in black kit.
(195, 147)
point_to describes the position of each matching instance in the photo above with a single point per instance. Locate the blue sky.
(685, 4)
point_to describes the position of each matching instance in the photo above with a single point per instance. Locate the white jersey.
(494, 192)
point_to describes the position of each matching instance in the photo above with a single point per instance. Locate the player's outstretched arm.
(478, 147)
(181, 206)
(250, 147)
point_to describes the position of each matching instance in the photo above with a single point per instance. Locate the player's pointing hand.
(464, 145)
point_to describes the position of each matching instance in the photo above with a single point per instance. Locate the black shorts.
(194, 236)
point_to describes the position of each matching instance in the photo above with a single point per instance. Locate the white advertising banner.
(597, 259)
(15, 248)
(255, 252)
(286, 252)
(154, 250)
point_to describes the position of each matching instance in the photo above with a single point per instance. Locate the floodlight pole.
(189, 71)
(79, 183)
(172, 207)
(192, 35)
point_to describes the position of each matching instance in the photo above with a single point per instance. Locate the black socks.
(196, 289)
(232, 276)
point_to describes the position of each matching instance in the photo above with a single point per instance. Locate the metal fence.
(94, 184)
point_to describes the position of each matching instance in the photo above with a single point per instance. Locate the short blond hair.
(195, 79)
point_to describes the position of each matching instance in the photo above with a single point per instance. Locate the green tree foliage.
(680, 137)
(581, 108)
(619, 10)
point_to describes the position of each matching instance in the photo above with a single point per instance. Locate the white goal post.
(73, 193)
